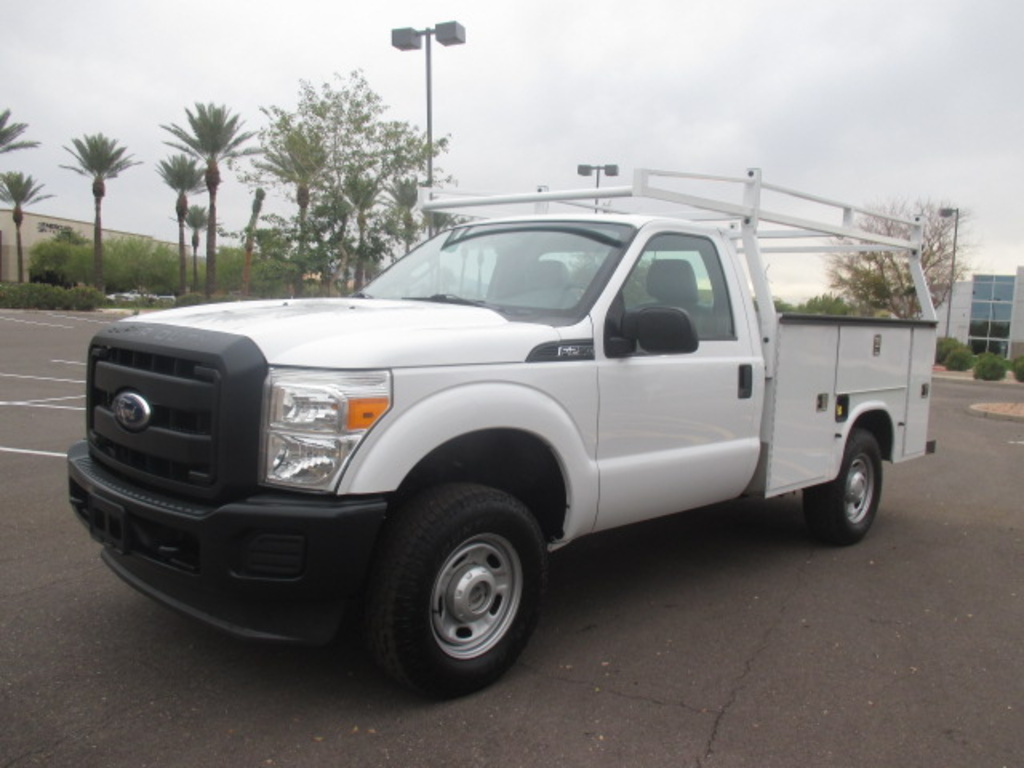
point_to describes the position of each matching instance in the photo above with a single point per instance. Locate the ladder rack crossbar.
(465, 200)
(846, 207)
(699, 207)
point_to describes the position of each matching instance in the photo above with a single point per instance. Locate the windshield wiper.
(447, 298)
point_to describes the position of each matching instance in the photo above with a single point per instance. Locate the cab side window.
(682, 271)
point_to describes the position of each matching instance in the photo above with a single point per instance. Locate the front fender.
(408, 434)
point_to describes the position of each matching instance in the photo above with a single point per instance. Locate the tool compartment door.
(800, 420)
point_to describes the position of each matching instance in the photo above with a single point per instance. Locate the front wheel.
(841, 511)
(455, 590)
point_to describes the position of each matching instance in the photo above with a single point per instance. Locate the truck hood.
(366, 333)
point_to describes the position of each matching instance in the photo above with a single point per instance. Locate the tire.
(841, 512)
(455, 590)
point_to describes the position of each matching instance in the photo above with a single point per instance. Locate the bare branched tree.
(880, 283)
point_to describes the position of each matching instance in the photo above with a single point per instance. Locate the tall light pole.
(955, 213)
(409, 39)
(587, 170)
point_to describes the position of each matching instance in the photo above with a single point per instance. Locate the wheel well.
(878, 424)
(516, 462)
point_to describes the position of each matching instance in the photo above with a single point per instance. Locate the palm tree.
(98, 158)
(299, 161)
(196, 220)
(250, 237)
(361, 193)
(214, 135)
(181, 174)
(17, 189)
(8, 134)
(402, 198)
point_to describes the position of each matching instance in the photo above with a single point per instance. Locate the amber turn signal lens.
(364, 411)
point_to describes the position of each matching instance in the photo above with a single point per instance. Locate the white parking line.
(5, 449)
(33, 322)
(40, 378)
(31, 404)
(45, 402)
(106, 321)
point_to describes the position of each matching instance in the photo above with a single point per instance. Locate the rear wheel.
(455, 590)
(842, 511)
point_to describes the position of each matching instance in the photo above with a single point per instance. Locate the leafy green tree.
(274, 274)
(184, 176)
(214, 135)
(9, 133)
(881, 282)
(99, 158)
(232, 265)
(274, 277)
(825, 304)
(19, 190)
(64, 260)
(197, 220)
(364, 153)
(69, 236)
(328, 252)
(443, 221)
(140, 264)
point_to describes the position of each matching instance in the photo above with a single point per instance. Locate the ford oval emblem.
(132, 411)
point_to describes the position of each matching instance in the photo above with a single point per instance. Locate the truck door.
(678, 431)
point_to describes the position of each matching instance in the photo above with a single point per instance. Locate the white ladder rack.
(675, 195)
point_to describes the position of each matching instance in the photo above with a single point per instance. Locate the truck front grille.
(203, 393)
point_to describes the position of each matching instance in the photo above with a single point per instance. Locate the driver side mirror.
(656, 330)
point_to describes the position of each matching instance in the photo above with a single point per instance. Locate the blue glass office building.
(988, 314)
(991, 314)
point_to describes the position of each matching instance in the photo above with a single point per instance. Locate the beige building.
(36, 228)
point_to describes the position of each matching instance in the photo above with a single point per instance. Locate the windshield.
(543, 271)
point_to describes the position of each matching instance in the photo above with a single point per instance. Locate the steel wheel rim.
(860, 488)
(476, 596)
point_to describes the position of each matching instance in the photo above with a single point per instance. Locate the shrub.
(83, 298)
(944, 346)
(960, 359)
(990, 367)
(41, 296)
(190, 300)
(1018, 368)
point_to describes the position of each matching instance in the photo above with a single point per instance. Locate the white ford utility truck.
(418, 449)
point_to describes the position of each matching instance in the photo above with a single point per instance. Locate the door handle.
(746, 381)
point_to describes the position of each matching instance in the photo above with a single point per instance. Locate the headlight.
(314, 420)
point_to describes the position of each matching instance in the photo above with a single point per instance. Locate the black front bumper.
(278, 567)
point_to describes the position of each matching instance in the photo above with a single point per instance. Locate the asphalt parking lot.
(722, 637)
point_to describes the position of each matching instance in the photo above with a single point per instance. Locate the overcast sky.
(863, 101)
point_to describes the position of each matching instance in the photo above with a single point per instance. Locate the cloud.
(863, 102)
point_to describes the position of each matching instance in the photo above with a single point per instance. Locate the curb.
(998, 411)
(969, 376)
